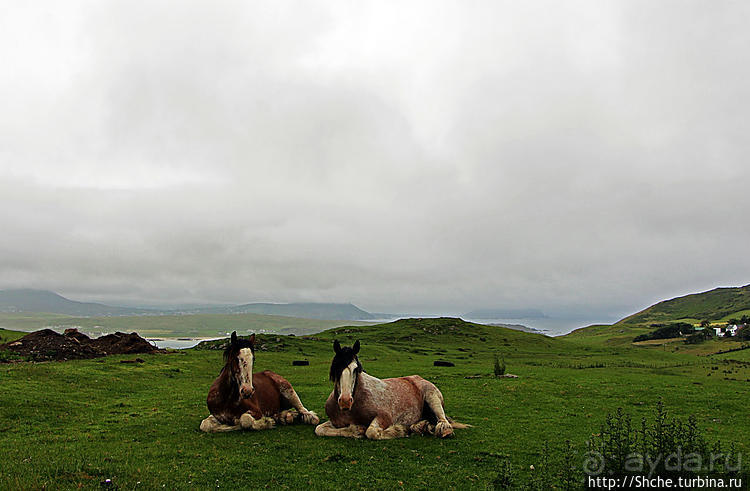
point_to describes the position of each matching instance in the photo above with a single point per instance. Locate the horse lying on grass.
(362, 405)
(240, 399)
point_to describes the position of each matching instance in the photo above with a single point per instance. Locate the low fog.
(583, 158)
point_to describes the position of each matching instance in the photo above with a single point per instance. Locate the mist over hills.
(505, 314)
(342, 311)
(30, 300)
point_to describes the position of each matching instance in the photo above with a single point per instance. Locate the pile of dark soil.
(48, 345)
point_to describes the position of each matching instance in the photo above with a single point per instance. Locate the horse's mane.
(341, 361)
(228, 384)
(236, 347)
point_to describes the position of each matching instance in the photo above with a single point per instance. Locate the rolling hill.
(717, 306)
(429, 335)
(28, 300)
(714, 305)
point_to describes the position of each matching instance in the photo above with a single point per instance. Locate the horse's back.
(417, 381)
(421, 389)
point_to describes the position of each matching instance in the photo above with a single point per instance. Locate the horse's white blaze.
(346, 382)
(246, 366)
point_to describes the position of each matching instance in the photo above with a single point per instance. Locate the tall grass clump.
(499, 368)
(662, 446)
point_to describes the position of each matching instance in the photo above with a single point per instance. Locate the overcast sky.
(578, 157)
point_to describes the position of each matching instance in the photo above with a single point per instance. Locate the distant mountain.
(339, 311)
(27, 300)
(712, 305)
(504, 314)
(50, 302)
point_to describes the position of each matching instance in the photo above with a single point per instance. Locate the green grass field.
(78, 423)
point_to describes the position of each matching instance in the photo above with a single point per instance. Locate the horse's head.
(239, 357)
(345, 369)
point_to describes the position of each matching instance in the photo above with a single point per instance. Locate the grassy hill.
(714, 305)
(440, 337)
(6, 335)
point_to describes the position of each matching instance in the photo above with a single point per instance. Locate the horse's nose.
(247, 392)
(345, 402)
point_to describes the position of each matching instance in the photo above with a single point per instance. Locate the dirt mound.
(47, 345)
(122, 344)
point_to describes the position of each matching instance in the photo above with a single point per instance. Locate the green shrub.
(6, 355)
(696, 338)
(506, 478)
(656, 446)
(499, 367)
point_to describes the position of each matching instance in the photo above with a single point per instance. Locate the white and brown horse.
(240, 399)
(363, 405)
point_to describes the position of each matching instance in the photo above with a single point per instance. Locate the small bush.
(499, 367)
(506, 478)
(654, 447)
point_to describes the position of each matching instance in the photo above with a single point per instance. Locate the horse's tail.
(459, 426)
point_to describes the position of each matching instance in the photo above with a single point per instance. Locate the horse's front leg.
(379, 429)
(212, 425)
(248, 422)
(351, 431)
(288, 392)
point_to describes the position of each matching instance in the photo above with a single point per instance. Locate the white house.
(724, 331)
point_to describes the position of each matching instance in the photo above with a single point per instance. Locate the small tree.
(499, 367)
(705, 323)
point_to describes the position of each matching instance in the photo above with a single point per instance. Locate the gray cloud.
(585, 158)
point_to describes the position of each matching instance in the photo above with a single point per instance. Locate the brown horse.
(362, 405)
(240, 399)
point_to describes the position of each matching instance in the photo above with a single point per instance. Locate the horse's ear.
(336, 346)
(355, 348)
(252, 339)
(234, 337)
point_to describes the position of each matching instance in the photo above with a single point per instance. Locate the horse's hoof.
(420, 428)
(246, 421)
(206, 425)
(443, 429)
(264, 423)
(310, 418)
